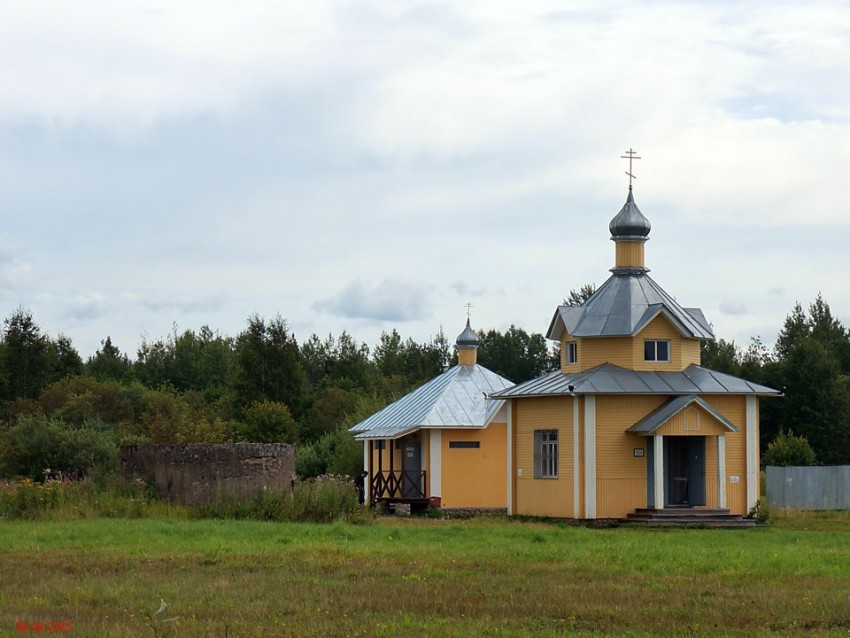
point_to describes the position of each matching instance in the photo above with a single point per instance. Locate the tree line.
(67, 414)
(810, 364)
(63, 413)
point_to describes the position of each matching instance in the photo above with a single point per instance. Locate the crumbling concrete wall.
(195, 474)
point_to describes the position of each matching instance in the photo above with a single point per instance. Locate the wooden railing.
(398, 485)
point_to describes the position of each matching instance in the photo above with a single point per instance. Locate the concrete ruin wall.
(195, 474)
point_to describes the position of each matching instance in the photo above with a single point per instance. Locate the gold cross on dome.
(630, 155)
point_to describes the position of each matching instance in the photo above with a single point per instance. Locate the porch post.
(590, 456)
(752, 453)
(436, 446)
(367, 467)
(658, 469)
(391, 493)
(721, 471)
(510, 441)
(576, 462)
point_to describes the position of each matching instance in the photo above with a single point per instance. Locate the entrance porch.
(679, 435)
(395, 471)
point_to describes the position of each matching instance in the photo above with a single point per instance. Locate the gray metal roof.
(630, 223)
(654, 420)
(457, 398)
(610, 379)
(623, 306)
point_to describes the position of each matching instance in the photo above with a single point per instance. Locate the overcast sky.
(363, 166)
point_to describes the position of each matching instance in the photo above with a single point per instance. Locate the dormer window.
(656, 350)
(570, 352)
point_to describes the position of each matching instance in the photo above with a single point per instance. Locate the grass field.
(423, 577)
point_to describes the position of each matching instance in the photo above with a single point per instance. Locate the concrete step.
(688, 517)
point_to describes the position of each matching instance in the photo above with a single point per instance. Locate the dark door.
(684, 459)
(696, 470)
(412, 463)
(677, 450)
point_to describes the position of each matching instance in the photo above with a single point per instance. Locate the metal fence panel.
(809, 488)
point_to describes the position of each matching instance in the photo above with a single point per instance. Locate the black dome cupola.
(630, 224)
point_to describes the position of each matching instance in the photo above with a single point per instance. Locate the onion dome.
(630, 222)
(467, 338)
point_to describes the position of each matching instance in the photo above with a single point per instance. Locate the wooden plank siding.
(627, 352)
(550, 496)
(475, 477)
(621, 482)
(629, 253)
(693, 421)
(596, 351)
(683, 352)
(733, 407)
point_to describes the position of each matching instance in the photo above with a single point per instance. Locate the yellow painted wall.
(693, 421)
(467, 356)
(733, 408)
(627, 352)
(621, 482)
(629, 253)
(475, 477)
(683, 352)
(615, 350)
(569, 367)
(543, 497)
(620, 475)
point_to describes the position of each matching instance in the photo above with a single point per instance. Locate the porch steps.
(688, 517)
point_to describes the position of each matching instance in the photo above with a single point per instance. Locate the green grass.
(424, 577)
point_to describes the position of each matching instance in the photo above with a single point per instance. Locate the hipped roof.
(623, 306)
(455, 399)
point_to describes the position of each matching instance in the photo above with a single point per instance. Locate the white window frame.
(655, 343)
(545, 454)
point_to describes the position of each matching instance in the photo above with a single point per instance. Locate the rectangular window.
(656, 350)
(571, 352)
(464, 444)
(546, 454)
(380, 444)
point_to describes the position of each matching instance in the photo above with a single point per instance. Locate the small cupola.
(467, 346)
(630, 230)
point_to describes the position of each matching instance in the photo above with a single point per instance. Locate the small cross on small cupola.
(467, 343)
(629, 228)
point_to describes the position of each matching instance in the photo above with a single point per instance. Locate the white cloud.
(390, 300)
(213, 160)
(733, 308)
(14, 273)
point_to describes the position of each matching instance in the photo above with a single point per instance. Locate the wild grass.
(826, 520)
(320, 500)
(324, 499)
(101, 497)
(423, 577)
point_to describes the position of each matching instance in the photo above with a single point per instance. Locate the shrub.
(268, 422)
(787, 449)
(334, 453)
(35, 444)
